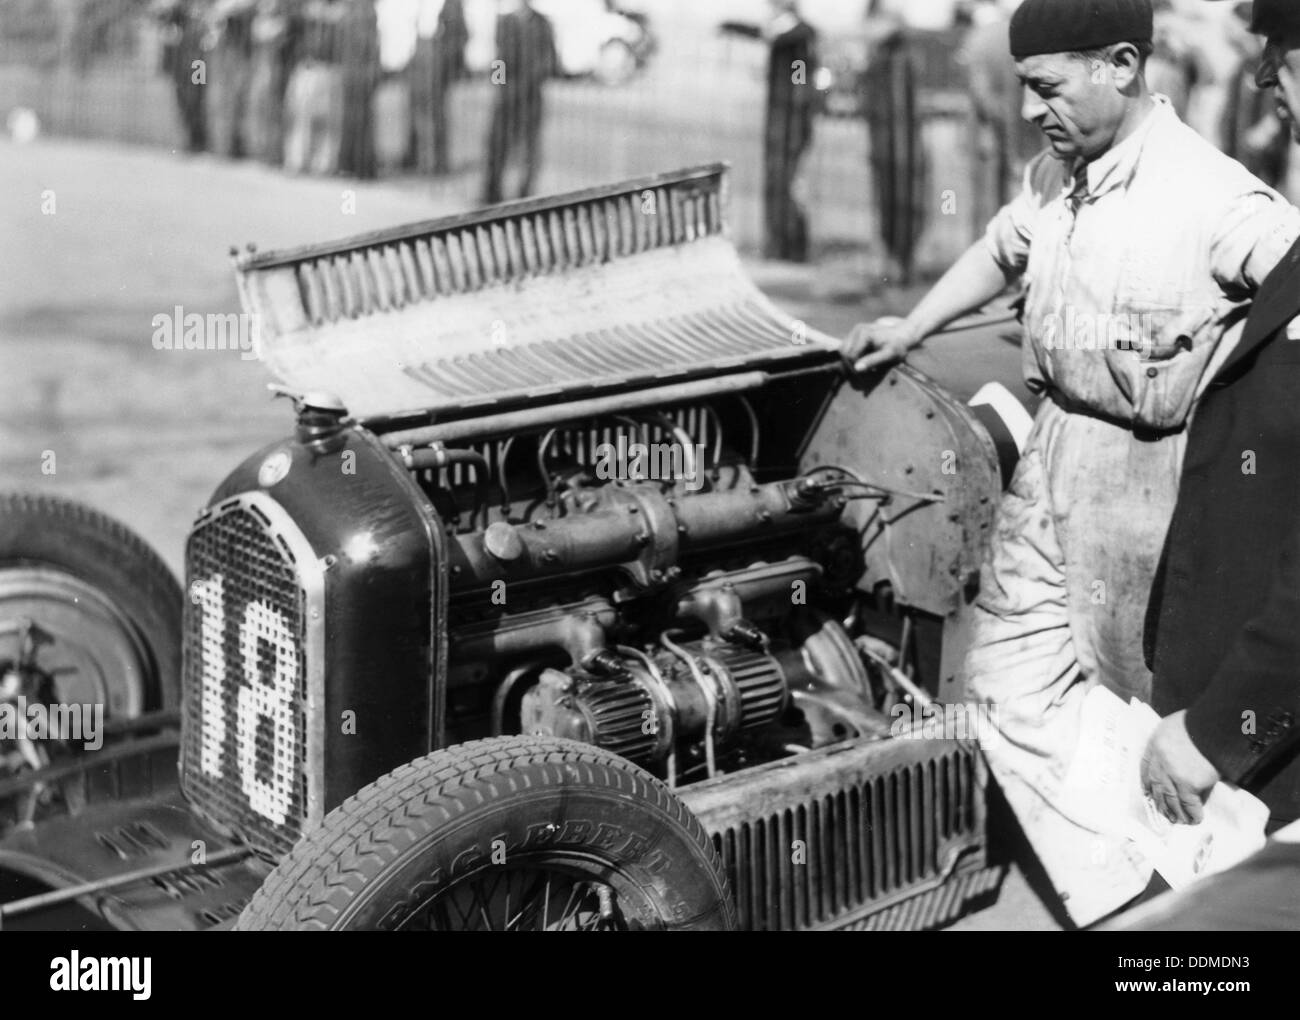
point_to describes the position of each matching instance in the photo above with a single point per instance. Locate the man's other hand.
(873, 344)
(1175, 774)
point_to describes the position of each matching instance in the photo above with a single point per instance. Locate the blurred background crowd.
(891, 125)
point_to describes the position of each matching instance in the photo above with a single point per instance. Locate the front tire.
(510, 833)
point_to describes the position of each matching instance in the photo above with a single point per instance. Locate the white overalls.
(1128, 300)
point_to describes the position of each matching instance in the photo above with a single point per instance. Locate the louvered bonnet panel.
(866, 834)
(629, 283)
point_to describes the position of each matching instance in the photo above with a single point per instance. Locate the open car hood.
(626, 284)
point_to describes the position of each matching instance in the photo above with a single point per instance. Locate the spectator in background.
(525, 58)
(1172, 67)
(1004, 141)
(919, 15)
(898, 164)
(792, 104)
(314, 97)
(392, 106)
(229, 70)
(359, 37)
(1252, 132)
(183, 32)
(1196, 60)
(272, 54)
(442, 35)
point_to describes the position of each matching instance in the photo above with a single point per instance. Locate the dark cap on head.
(1275, 17)
(1066, 26)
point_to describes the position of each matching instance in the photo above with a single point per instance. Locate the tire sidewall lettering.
(446, 858)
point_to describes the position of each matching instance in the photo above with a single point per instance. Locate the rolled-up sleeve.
(1009, 234)
(1011, 231)
(1253, 234)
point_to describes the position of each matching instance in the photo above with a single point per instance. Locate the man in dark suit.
(791, 111)
(792, 106)
(438, 63)
(359, 39)
(183, 22)
(897, 151)
(1223, 628)
(526, 58)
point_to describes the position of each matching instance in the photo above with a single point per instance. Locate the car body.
(460, 565)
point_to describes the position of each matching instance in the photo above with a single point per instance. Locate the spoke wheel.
(69, 644)
(534, 897)
(505, 834)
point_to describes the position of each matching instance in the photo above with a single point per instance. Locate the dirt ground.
(98, 239)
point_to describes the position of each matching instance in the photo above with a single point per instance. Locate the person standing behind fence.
(359, 35)
(1004, 141)
(525, 58)
(184, 28)
(392, 106)
(314, 98)
(894, 130)
(439, 62)
(791, 112)
(272, 42)
(792, 104)
(228, 73)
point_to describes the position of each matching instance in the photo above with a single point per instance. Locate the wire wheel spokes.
(523, 899)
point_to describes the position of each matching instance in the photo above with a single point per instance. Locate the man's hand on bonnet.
(1175, 774)
(884, 342)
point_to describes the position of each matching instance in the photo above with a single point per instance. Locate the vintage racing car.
(590, 591)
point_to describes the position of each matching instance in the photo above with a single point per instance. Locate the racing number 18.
(264, 696)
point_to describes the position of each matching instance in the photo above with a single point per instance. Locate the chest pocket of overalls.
(1164, 331)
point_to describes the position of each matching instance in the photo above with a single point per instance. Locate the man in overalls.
(1138, 244)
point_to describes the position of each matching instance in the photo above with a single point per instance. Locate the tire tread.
(311, 888)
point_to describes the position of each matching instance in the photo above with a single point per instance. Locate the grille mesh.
(830, 856)
(243, 752)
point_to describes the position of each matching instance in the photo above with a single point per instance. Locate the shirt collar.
(1114, 167)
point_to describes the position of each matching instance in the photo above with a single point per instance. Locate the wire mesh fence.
(684, 92)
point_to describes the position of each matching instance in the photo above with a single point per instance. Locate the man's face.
(1073, 101)
(1279, 70)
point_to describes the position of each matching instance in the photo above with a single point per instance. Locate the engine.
(643, 591)
(560, 468)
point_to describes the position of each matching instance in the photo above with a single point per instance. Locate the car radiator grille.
(245, 746)
(885, 824)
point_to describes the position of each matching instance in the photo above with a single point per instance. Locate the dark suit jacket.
(1223, 629)
(526, 44)
(791, 106)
